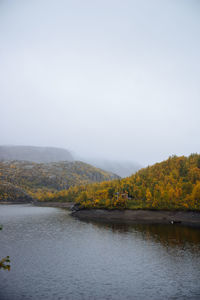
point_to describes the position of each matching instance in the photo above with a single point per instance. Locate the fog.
(109, 79)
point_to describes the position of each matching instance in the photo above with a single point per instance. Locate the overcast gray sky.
(107, 78)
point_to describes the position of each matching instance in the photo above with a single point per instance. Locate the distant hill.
(34, 154)
(30, 177)
(51, 154)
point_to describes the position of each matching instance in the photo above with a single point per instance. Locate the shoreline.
(189, 218)
(66, 205)
(127, 216)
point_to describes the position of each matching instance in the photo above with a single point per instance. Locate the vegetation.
(5, 262)
(10, 193)
(172, 184)
(24, 181)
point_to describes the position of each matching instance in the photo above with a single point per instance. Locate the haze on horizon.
(108, 79)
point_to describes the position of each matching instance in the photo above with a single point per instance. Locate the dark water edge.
(55, 256)
(141, 216)
(67, 205)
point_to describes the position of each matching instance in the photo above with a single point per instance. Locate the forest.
(171, 184)
(24, 181)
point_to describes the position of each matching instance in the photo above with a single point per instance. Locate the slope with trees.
(171, 184)
(18, 179)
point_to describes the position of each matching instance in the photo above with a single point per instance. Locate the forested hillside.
(37, 179)
(171, 184)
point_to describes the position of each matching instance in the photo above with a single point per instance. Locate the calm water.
(54, 256)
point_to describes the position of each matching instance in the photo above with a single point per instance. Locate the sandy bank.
(140, 216)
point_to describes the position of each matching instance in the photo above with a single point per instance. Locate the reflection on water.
(167, 234)
(54, 256)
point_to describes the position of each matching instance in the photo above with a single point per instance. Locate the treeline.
(171, 184)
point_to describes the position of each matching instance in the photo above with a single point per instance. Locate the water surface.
(54, 256)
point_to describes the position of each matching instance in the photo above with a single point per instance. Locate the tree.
(148, 197)
(196, 195)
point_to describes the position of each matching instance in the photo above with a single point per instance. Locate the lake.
(55, 256)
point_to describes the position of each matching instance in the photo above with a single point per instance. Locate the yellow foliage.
(172, 184)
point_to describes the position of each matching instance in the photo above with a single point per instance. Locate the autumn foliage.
(23, 181)
(171, 184)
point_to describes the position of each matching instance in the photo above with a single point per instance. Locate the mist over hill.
(34, 154)
(122, 168)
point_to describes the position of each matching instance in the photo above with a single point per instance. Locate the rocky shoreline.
(190, 218)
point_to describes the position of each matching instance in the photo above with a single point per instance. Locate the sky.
(109, 79)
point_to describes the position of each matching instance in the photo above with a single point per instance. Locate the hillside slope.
(12, 193)
(171, 184)
(34, 154)
(32, 177)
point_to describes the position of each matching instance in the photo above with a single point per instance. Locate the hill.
(37, 179)
(52, 154)
(34, 154)
(12, 193)
(173, 184)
